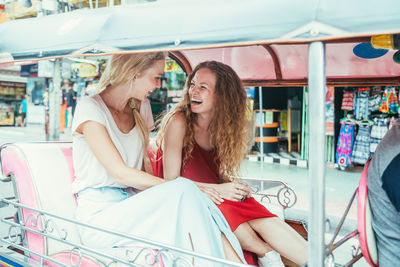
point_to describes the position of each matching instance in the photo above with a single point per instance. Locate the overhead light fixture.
(386, 41)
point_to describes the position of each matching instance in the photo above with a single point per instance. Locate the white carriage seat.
(42, 175)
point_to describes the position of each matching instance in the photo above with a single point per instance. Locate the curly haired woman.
(204, 139)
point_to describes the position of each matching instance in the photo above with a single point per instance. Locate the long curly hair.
(228, 124)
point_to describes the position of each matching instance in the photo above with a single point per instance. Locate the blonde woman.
(113, 191)
(204, 139)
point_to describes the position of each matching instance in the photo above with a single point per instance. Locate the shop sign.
(12, 84)
(29, 70)
(12, 90)
(45, 69)
(84, 70)
(171, 65)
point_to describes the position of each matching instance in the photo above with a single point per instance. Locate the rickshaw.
(269, 43)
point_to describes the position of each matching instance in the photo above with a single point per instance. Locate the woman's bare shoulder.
(177, 120)
(176, 125)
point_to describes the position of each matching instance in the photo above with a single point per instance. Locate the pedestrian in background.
(71, 103)
(63, 111)
(23, 108)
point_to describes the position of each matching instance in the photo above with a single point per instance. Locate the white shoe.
(271, 259)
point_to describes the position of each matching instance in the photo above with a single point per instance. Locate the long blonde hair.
(123, 68)
(228, 124)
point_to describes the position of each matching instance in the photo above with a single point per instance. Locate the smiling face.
(202, 91)
(147, 81)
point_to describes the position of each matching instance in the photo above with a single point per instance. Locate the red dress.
(203, 167)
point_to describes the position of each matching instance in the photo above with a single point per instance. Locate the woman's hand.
(211, 192)
(233, 191)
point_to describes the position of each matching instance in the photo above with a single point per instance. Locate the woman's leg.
(282, 238)
(230, 253)
(250, 241)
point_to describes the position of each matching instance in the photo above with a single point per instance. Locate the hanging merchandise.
(361, 148)
(399, 99)
(348, 100)
(390, 102)
(361, 110)
(344, 147)
(374, 99)
(378, 131)
(393, 101)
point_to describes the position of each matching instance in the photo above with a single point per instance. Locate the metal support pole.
(55, 101)
(303, 124)
(261, 124)
(316, 171)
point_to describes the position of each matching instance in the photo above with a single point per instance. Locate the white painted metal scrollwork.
(148, 252)
(48, 225)
(13, 235)
(286, 197)
(271, 189)
(75, 251)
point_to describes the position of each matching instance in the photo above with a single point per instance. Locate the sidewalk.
(33, 132)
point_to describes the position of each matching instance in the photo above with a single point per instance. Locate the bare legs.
(250, 241)
(281, 237)
(230, 253)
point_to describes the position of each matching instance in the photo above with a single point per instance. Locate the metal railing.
(131, 256)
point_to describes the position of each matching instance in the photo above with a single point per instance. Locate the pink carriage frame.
(365, 231)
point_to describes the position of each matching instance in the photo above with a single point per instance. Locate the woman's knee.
(250, 241)
(184, 185)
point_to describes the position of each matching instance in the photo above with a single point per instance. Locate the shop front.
(11, 95)
(363, 115)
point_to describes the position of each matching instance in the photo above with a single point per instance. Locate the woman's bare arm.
(172, 146)
(103, 148)
(172, 162)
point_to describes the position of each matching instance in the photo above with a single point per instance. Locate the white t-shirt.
(89, 171)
